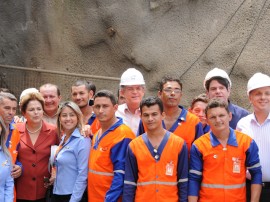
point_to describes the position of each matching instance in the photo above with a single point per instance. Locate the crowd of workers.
(99, 148)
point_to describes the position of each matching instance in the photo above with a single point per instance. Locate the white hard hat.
(217, 72)
(27, 91)
(258, 80)
(132, 77)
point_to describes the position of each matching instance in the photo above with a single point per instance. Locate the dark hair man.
(108, 151)
(157, 161)
(219, 160)
(218, 85)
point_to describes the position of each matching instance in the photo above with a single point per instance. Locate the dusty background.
(186, 38)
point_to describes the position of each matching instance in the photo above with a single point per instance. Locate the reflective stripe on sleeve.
(183, 180)
(195, 172)
(254, 166)
(100, 173)
(157, 182)
(130, 183)
(119, 171)
(222, 186)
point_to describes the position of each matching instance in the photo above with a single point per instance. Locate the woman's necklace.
(29, 131)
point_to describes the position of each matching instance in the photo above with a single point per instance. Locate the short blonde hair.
(29, 97)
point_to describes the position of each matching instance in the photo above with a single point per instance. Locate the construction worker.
(82, 93)
(157, 161)
(177, 120)
(197, 107)
(52, 97)
(108, 151)
(257, 126)
(218, 85)
(132, 88)
(219, 160)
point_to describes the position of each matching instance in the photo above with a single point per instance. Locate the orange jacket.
(94, 123)
(13, 142)
(107, 163)
(223, 170)
(187, 126)
(147, 170)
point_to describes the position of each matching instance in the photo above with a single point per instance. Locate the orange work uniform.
(107, 163)
(158, 174)
(218, 173)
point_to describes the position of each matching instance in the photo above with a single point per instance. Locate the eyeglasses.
(170, 90)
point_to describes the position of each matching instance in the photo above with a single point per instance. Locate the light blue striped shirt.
(261, 135)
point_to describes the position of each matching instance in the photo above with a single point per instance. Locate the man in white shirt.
(257, 125)
(132, 88)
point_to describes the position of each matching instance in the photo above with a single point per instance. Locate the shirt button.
(34, 151)
(157, 176)
(33, 178)
(34, 165)
(157, 190)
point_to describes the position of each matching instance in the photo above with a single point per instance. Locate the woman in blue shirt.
(71, 158)
(6, 181)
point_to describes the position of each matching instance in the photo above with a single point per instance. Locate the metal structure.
(16, 79)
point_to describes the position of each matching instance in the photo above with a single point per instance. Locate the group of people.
(149, 148)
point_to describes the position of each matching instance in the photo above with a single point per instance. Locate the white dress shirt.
(261, 134)
(130, 119)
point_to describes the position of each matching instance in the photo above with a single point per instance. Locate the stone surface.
(185, 38)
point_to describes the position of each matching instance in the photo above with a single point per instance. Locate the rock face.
(185, 38)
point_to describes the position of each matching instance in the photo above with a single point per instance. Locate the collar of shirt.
(183, 114)
(50, 116)
(156, 152)
(113, 127)
(91, 119)
(126, 110)
(253, 119)
(12, 126)
(231, 140)
(181, 118)
(75, 134)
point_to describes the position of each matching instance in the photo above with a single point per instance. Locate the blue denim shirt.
(6, 181)
(72, 166)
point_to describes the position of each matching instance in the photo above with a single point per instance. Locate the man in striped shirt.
(257, 125)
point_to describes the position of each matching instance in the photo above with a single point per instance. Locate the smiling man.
(219, 160)
(257, 124)
(82, 93)
(218, 85)
(52, 97)
(132, 88)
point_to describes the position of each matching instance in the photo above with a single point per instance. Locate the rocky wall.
(185, 38)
